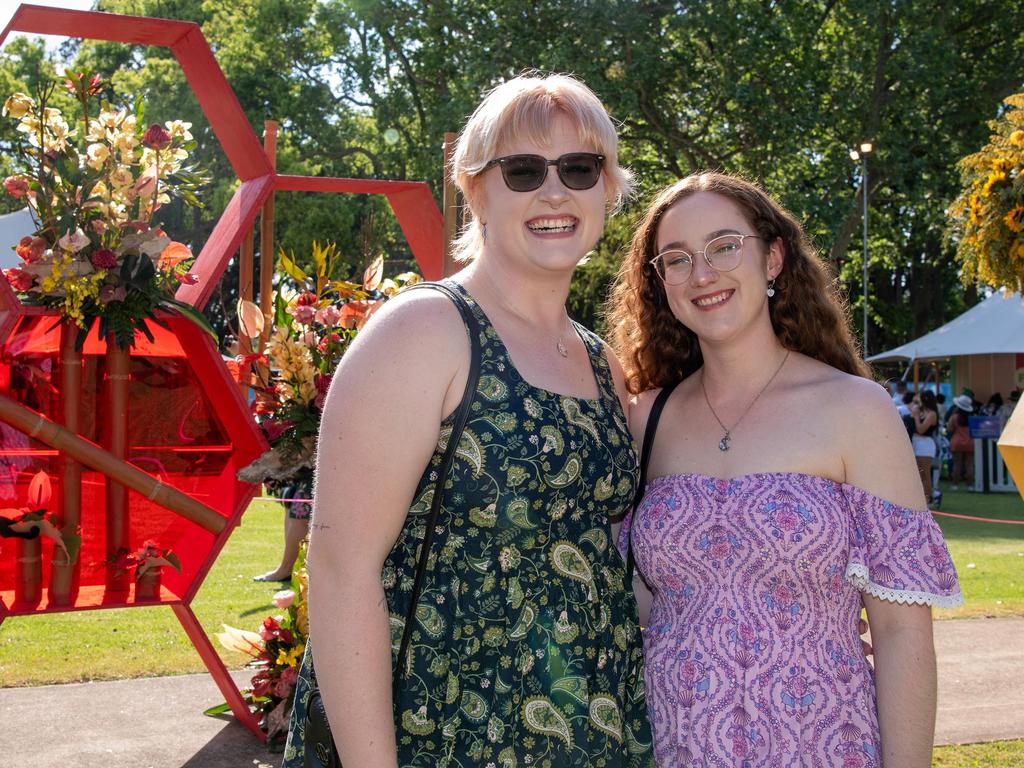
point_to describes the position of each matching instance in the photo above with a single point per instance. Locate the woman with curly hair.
(782, 495)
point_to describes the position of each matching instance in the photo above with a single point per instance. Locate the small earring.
(771, 287)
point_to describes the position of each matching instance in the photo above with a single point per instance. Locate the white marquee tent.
(13, 227)
(993, 327)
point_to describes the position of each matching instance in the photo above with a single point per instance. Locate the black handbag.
(319, 748)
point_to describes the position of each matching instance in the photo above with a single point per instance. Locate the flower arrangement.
(315, 320)
(276, 652)
(144, 560)
(989, 213)
(94, 187)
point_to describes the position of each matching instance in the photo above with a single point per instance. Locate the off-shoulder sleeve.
(898, 554)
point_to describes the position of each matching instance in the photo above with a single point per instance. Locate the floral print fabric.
(752, 651)
(526, 649)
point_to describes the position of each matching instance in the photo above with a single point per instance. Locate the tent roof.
(13, 227)
(995, 326)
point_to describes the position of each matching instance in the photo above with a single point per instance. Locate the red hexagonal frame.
(414, 207)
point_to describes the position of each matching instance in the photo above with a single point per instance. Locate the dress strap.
(599, 364)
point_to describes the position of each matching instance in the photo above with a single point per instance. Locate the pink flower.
(283, 599)
(290, 675)
(16, 187)
(303, 313)
(19, 279)
(156, 137)
(104, 258)
(74, 241)
(283, 688)
(188, 278)
(328, 315)
(146, 185)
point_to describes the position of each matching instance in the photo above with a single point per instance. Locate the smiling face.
(718, 306)
(550, 228)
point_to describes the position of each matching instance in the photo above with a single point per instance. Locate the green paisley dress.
(526, 650)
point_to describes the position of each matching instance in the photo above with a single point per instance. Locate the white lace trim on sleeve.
(859, 576)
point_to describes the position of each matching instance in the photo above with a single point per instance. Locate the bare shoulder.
(618, 375)
(422, 318)
(640, 411)
(876, 451)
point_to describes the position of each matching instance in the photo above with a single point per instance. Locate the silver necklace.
(723, 444)
(560, 345)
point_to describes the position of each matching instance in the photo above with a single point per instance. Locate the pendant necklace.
(723, 444)
(560, 345)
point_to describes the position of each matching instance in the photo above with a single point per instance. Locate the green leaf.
(220, 709)
(292, 269)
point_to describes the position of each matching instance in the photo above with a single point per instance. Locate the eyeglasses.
(525, 173)
(723, 254)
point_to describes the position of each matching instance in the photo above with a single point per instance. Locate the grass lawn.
(989, 557)
(1003, 754)
(138, 642)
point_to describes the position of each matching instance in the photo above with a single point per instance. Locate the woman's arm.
(880, 460)
(905, 681)
(403, 374)
(929, 420)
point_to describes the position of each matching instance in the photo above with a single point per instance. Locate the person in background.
(901, 390)
(961, 444)
(1006, 411)
(925, 413)
(991, 408)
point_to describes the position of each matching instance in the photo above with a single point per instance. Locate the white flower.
(74, 241)
(97, 154)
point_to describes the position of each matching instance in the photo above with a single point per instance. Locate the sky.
(8, 7)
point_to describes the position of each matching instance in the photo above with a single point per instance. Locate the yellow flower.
(993, 178)
(1013, 218)
(1017, 138)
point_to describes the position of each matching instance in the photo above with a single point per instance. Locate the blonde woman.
(526, 647)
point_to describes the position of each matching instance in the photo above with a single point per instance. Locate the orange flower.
(173, 255)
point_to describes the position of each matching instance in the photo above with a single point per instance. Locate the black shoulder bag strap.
(645, 456)
(319, 748)
(447, 459)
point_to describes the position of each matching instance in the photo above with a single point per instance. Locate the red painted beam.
(423, 226)
(285, 183)
(227, 235)
(140, 30)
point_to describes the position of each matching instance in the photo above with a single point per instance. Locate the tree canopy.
(777, 91)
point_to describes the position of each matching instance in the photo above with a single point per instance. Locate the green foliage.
(775, 91)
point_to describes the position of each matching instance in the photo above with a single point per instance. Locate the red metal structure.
(189, 426)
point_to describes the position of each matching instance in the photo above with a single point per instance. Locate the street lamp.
(862, 155)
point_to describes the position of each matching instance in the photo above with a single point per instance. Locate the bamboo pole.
(118, 374)
(267, 260)
(450, 204)
(91, 455)
(64, 572)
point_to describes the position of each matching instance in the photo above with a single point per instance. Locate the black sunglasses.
(525, 173)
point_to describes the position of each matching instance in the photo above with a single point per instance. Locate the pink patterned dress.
(752, 652)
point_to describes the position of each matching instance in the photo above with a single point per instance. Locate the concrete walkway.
(158, 722)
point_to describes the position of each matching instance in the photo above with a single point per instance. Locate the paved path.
(158, 722)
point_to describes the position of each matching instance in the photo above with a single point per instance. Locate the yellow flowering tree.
(988, 216)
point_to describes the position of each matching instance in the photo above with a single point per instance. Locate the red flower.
(19, 279)
(261, 684)
(188, 278)
(306, 299)
(274, 429)
(103, 258)
(16, 186)
(31, 249)
(156, 137)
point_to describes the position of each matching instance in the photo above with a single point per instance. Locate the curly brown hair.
(807, 313)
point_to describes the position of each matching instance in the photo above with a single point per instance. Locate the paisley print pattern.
(526, 650)
(752, 651)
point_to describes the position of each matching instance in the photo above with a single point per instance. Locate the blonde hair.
(526, 107)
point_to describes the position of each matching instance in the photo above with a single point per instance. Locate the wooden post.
(118, 374)
(267, 260)
(450, 203)
(64, 572)
(917, 375)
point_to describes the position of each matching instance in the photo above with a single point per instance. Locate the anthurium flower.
(74, 241)
(172, 255)
(240, 640)
(156, 137)
(19, 279)
(39, 490)
(188, 278)
(251, 318)
(31, 249)
(146, 185)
